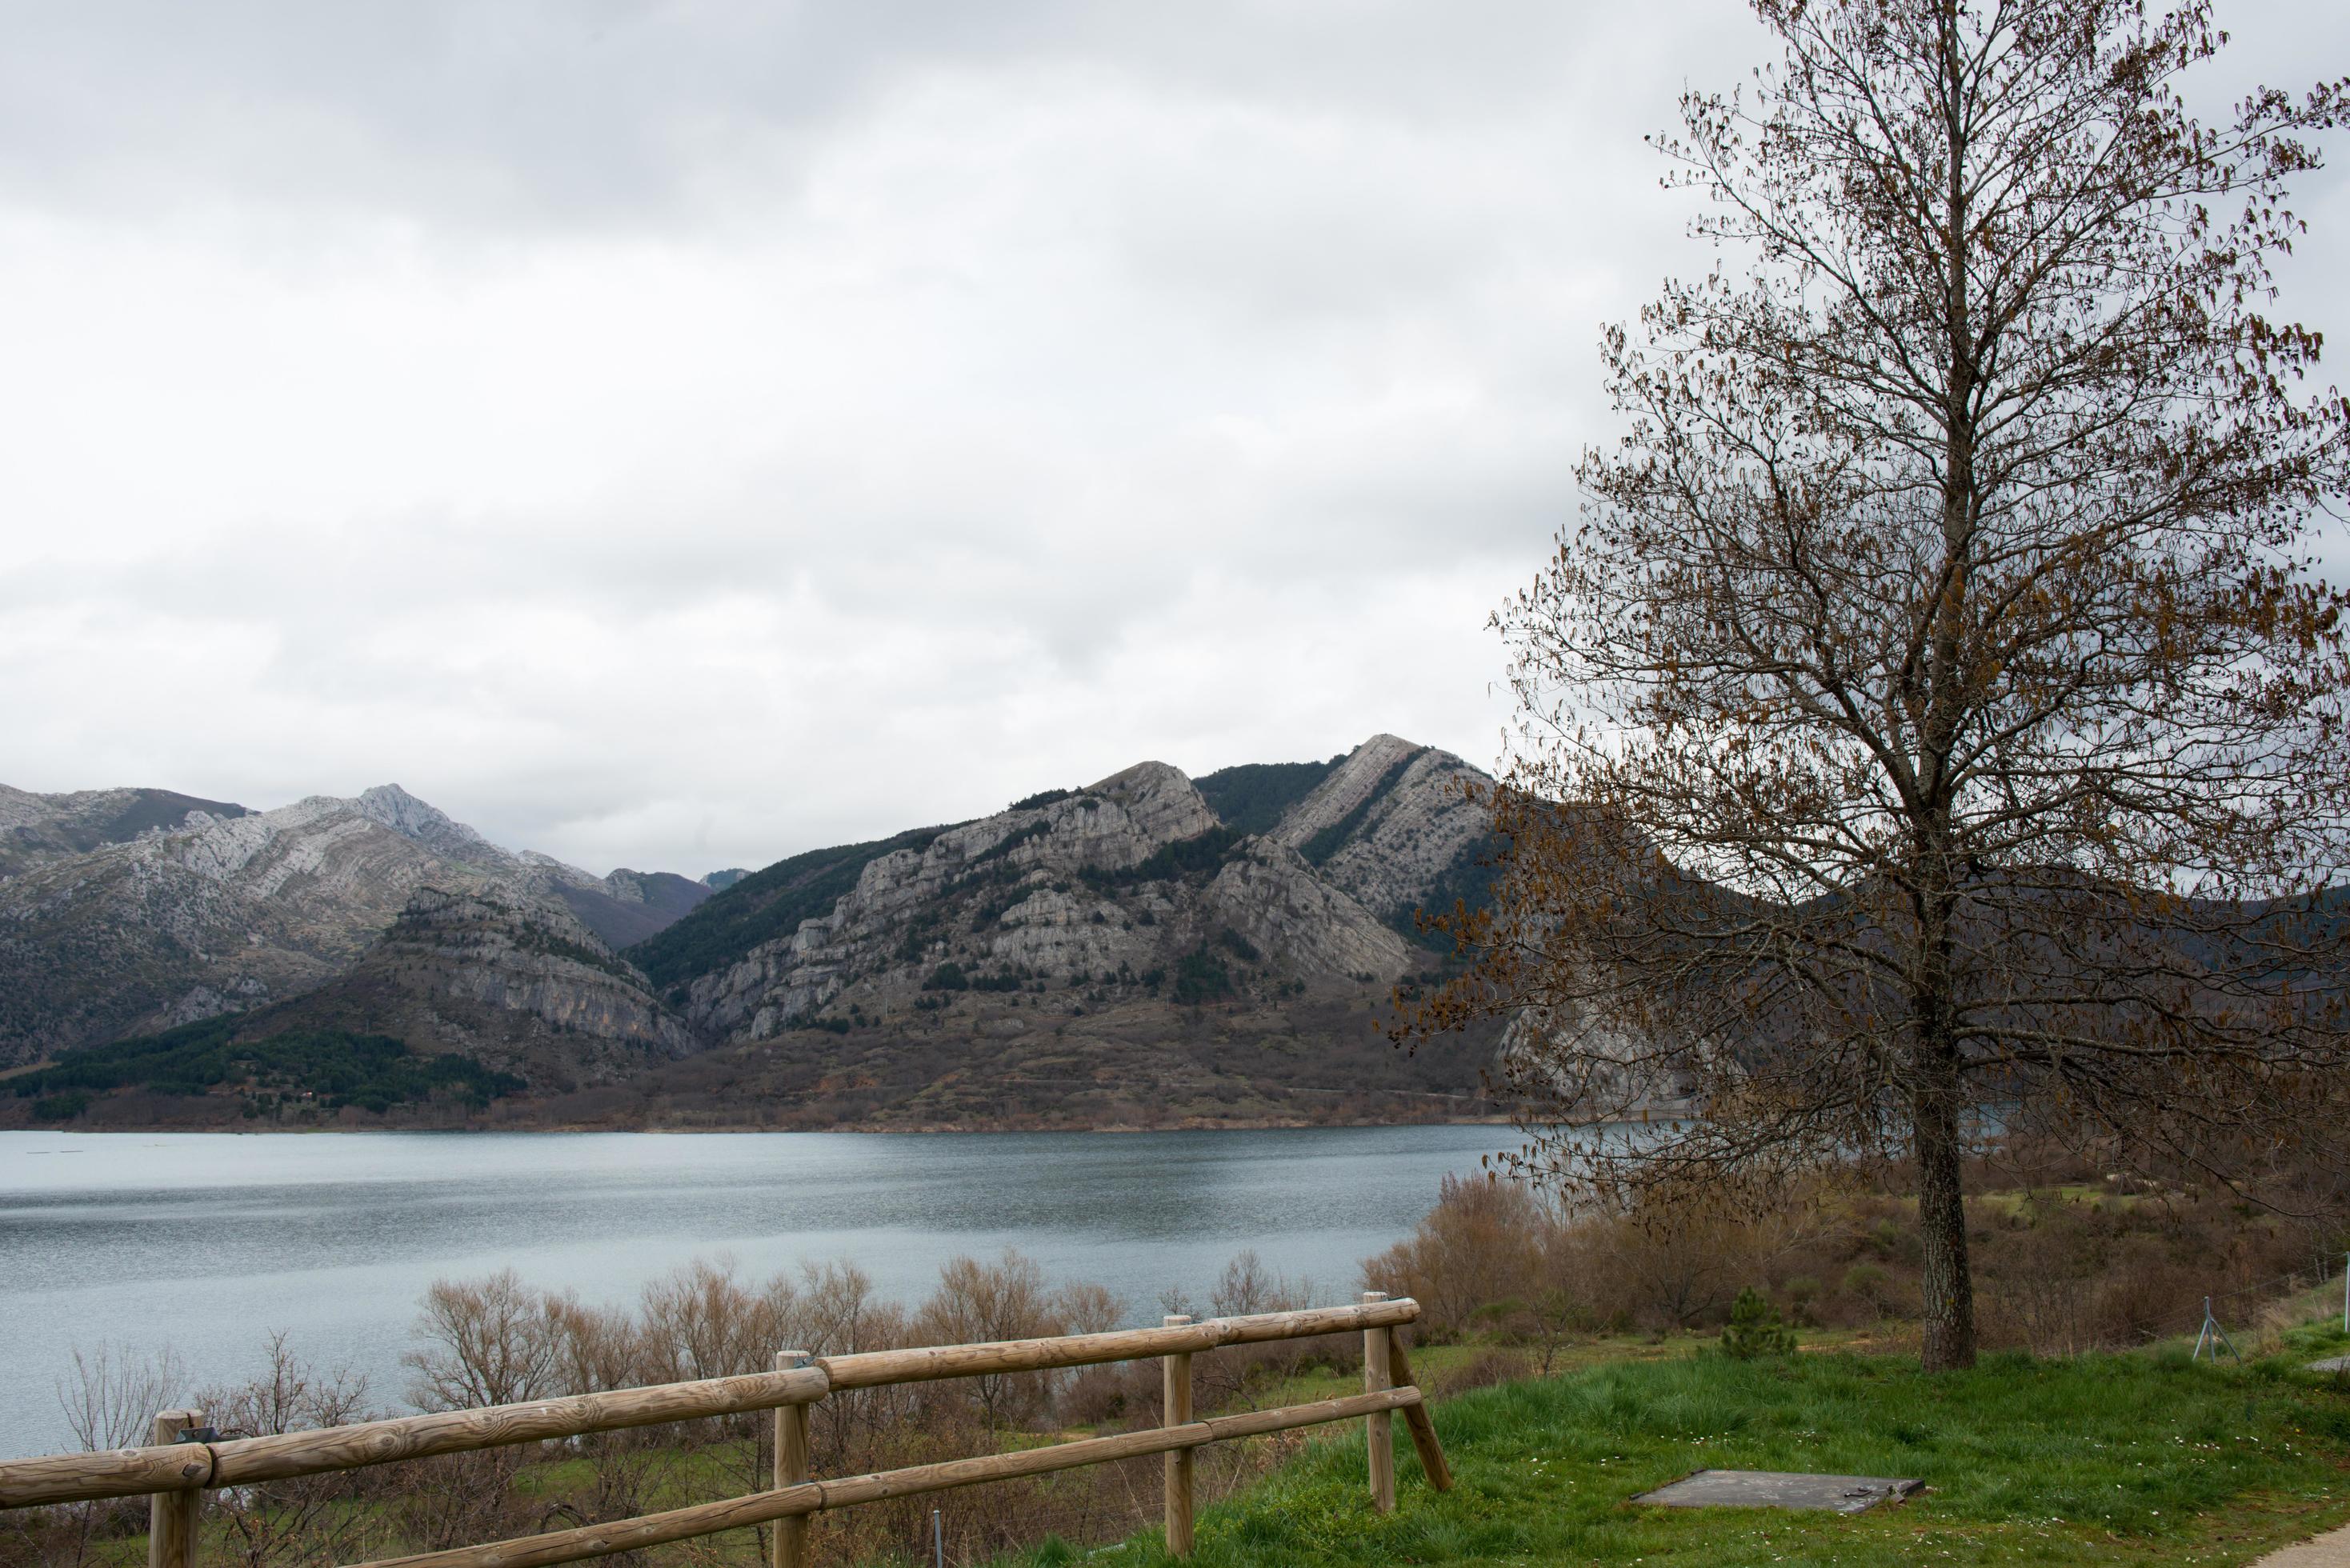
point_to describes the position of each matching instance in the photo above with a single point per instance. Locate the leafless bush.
(1484, 1241)
(841, 1315)
(704, 1321)
(110, 1401)
(1665, 1267)
(460, 1499)
(597, 1348)
(112, 1397)
(486, 1342)
(1245, 1288)
(2036, 1293)
(301, 1519)
(1085, 1308)
(1005, 1300)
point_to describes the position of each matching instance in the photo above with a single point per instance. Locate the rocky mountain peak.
(565, 872)
(1367, 771)
(389, 806)
(133, 909)
(1128, 890)
(1136, 919)
(1390, 824)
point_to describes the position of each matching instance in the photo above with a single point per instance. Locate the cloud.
(681, 435)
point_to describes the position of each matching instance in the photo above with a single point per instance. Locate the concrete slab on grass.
(2332, 1364)
(1777, 1488)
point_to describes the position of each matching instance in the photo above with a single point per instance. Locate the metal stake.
(938, 1540)
(2214, 1336)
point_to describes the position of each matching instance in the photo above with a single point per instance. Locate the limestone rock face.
(412, 819)
(178, 926)
(35, 829)
(1124, 918)
(521, 986)
(1269, 895)
(899, 920)
(1110, 889)
(1390, 823)
(219, 911)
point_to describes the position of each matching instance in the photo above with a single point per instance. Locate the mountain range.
(1146, 950)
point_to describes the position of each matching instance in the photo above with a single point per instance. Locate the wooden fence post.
(791, 1465)
(1176, 1411)
(1378, 1428)
(171, 1515)
(1416, 1419)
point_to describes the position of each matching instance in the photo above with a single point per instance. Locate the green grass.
(2139, 1459)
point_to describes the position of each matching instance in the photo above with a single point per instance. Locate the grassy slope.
(2142, 1460)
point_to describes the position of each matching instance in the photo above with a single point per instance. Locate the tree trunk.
(1948, 1286)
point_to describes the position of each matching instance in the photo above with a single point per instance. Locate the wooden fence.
(176, 1469)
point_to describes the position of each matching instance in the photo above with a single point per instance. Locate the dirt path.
(2331, 1550)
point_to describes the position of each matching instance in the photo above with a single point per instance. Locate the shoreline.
(736, 1129)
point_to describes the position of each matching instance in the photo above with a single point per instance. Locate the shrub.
(1193, 859)
(1754, 1329)
(1201, 976)
(1483, 1241)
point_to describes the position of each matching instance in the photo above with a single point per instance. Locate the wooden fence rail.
(175, 1470)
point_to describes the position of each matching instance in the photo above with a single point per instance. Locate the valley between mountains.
(1146, 950)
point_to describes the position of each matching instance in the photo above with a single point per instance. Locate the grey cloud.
(677, 435)
(445, 109)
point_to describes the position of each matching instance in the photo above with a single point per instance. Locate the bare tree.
(841, 1315)
(491, 1341)
(111, 1402)
(978, 1302)
(303, 1519)
(1937, 706)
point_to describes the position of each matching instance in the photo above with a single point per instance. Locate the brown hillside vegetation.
(1307, 1059)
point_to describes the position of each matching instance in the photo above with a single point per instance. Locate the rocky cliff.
(1140, 950)
(1390, 824)
(201, 912)
(35, 829)
(227, 914)
(1117, 886)
(521, 987)
(1117, 953)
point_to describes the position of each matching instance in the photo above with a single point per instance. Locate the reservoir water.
(206, 1243)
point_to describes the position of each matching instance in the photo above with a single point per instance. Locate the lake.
(206, 1241)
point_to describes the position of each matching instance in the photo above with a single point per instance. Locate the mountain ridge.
(230, 910)
(1227, 942)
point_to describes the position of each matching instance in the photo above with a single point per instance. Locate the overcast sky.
(680, 435)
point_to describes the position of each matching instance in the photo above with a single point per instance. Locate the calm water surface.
(207, 1241)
